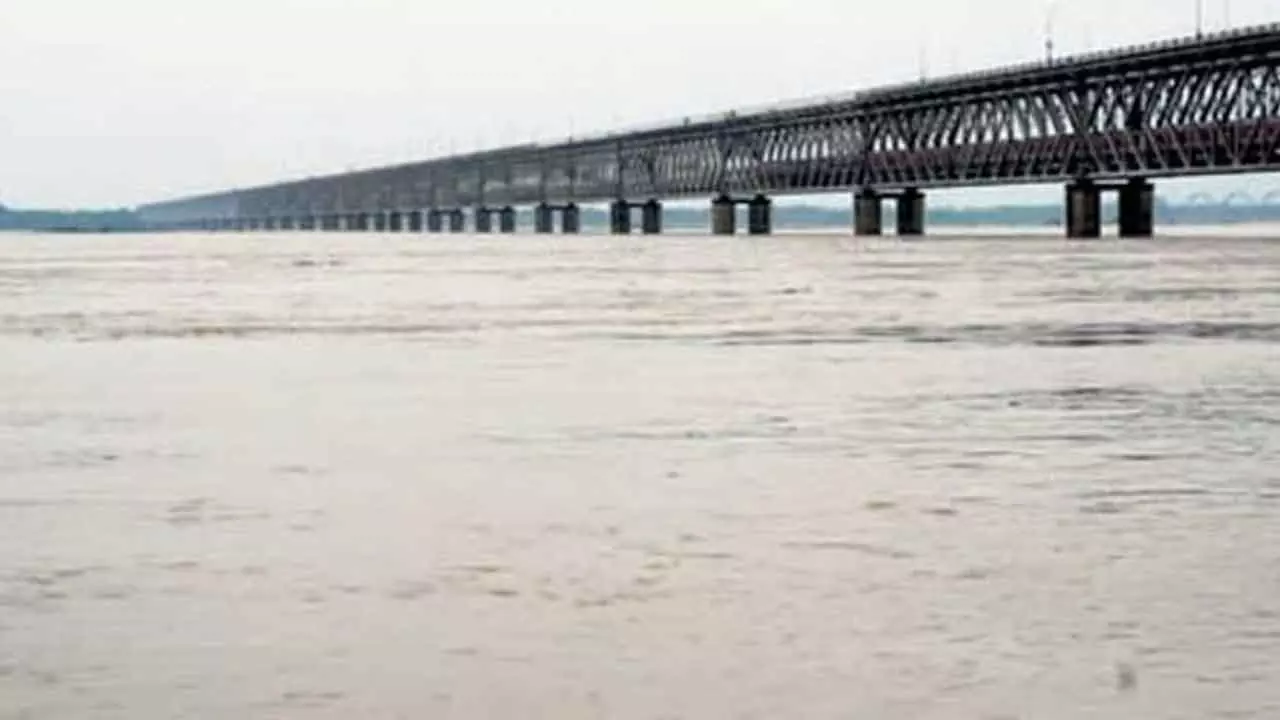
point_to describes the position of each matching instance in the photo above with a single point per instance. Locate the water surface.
(337, 476)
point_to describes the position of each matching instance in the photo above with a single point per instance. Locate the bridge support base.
(483, 220)
(415, 221)
(457, 221)
(724, 219)
(760, 215)
(910, 213)
(543, 219)
(1137, 200)
(620, 217)
(1084, 210)
(507, 220)
(570, 219)
(867, 213)
(651, 218)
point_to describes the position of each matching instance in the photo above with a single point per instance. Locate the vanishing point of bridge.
(1104, 122)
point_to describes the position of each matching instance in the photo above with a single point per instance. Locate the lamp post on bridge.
(1049, 16)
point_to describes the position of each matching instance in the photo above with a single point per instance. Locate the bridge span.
(1107, 121)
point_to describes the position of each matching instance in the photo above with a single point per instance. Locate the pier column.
(395, 222)
(620, 217)
(507, 220)
(1084, 210)
(651, 218)
(483, 220)
(435, 221)
(457, 221)
(910, 213)
(1137, 200)
(760, 215)
(571, 219)
(867, 213)
(724, 220)
(543, 219)
(415, 221)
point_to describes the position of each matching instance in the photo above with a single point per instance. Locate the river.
(344, 476)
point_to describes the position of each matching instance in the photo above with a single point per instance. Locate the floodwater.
(337, 476)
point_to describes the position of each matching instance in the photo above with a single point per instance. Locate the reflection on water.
(356, 476)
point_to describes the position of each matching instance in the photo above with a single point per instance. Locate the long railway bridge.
(1110, 121)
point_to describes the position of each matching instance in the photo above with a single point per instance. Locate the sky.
(112, 103)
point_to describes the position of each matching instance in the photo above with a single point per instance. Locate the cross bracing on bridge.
(1204, 105)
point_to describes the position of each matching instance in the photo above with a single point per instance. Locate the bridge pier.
(457, 221)
(483, 220)
(759, 215)
(415, 221)
(507, 220)
(868, 213)
(543, 219)
(910, 213)
(651, 218)
(1137, 200)
(724, 219)
(1084, 210)
(570, 219)
(620, 217)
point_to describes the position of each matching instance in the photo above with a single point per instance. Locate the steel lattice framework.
(1180, 107)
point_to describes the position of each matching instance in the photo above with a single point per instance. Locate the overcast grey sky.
(117, 102)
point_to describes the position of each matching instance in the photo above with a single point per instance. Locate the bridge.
(1109, 121)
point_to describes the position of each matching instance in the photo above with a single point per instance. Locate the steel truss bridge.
(1110, 120)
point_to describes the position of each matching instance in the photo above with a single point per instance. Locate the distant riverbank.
(785, 217)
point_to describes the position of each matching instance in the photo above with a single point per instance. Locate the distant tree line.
(69, 221)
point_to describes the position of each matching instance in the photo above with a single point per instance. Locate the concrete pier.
(651, 218)
(415, 221)
(1137, 202)
(760, 215)
(543, 219)
(910, 213)
(483, 220)
(507, 220)
(868, 213)
(1084, 210)
(620, 217)
(570, 219)
(457, 221)
(435, 221)
(724, 219)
